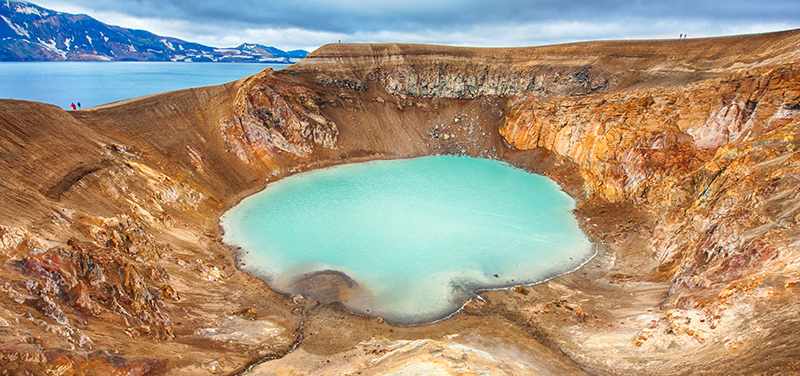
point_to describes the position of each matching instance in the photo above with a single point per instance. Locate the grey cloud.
(306, 24)
(353, 16)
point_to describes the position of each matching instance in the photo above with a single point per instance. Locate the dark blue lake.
(96, 83)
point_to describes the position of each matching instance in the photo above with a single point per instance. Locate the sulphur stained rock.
(274, 116)
(417, 357)
(242, 330)
(682, 155)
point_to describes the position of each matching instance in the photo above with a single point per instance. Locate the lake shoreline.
(425, 210)
(93, 83)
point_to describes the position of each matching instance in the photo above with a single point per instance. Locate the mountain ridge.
(29, 32)
(683, 157)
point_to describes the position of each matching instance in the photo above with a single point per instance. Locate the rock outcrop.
(682, 156)
(32, 33)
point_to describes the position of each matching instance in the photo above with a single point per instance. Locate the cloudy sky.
(309, 24)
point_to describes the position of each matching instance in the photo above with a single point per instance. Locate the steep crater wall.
(682, 155)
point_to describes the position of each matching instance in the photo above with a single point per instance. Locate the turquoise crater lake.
(416, 237)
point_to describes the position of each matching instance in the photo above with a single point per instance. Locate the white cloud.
(757, 28)
(286, 39)
(229, 33)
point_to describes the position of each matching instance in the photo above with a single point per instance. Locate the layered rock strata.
(681, 155)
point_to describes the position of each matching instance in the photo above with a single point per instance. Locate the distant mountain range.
(29, 32)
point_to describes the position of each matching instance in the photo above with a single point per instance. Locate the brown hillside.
(682, 155)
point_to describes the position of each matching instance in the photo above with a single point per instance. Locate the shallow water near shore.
(407, 240)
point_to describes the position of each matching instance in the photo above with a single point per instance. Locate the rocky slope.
(29, 32)
(681, 153)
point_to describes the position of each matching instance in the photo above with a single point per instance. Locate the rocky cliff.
(29, 32)
(680, 153)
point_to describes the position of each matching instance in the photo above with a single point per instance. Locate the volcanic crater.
(682, 156)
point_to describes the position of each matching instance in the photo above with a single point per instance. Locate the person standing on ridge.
(79, 105)
(73, 106)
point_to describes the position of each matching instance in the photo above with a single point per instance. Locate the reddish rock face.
(681, 154)
(625, 141)
(714, 161)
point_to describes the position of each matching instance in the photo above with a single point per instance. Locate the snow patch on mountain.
(17, 29)
(52, 46)
(26, 9)
(168, 44)
(43, 34)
